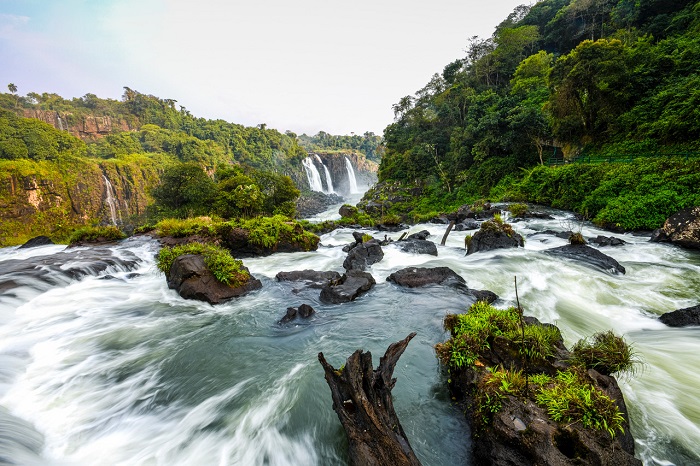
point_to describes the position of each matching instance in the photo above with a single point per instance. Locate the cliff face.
(365, 170)
(90, 127)
(56, 197)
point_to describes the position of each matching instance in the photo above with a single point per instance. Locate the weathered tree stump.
(362, 400)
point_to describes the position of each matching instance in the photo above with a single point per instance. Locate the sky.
(299, 65)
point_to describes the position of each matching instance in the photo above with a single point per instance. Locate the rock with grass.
(528, 399)
(494, 234)
(681, 229)
(349, 287)
(687, 317)
(589, 256)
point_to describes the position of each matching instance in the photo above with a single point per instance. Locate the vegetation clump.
(268, 232)
(576, 238)
(605, 352)
(219, 261)
(180, 228)
(517, 209)
(101, 233)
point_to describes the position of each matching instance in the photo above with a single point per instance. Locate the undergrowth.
(104, 233)
(218, 260)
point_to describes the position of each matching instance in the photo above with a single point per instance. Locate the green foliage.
(100, 233)
(269, 231)
(366, 237)
(179, 228)
(185, 190)
(570, 399)
(368, 144)
(32, 139)
(219, 261)
(517, 209)
(605, 352)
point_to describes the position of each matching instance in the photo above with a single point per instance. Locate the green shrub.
(267, 232)
(518, 209)
(576, 238)
(605, 352)
(179, 228)
(219, 261)
(108, 233)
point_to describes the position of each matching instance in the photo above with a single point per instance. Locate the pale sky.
(304, 65)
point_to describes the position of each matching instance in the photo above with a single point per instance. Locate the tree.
(12, 88)
(184, 189)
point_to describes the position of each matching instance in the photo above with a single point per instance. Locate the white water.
(125, 372)
(111, 202)
(312, 175)
(352, 181)
(329, 181)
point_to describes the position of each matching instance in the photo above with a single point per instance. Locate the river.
(116, 369)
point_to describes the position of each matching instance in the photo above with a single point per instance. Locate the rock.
(537, 215)
(441, 220)
(350, 286)
(347, 211)
(304, 311)
(422, 235)
(601, 240)
(37, 241)
(363, 255)
(236, 240)
(191, 278)
(681, 228)
(414, 277)
(313, 202)
(417, 247)
(470, 225)
(312, 278)
(690, 316)
(494, 236)
(484, 295)
(589, 255)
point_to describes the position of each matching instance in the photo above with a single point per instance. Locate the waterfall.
(312, 175)
(351, 177)
(60, 123)
(329, 181)
(111, 201)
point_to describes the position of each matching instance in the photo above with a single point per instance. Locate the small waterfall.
(351, 177)
(329, 181)
(312, 175)
(111, 202)
(60, 123)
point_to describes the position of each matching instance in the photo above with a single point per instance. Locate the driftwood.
(449, 229)
(362, 400)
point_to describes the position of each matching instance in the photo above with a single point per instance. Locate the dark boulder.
(681, 228)
(351, 285)
(493, 236)
(690, 316)
(304, 311)
(312, 278)
(191, 278)
(37, 241)
(423, 235)
(347, 211)
(414, 277)
(484, 295)
(601, 240)
(588, 255)
(417, 247)
(313, 202)
(467, 225)
(363, 255)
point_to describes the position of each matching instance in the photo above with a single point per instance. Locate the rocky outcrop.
(238, 242)
(313, 202)
(311, 278)
(588, 255)
(414, 277)
(363, 255)
(303, 312)
(37, 241)
(88, 127)
(365, 170)
(681, 229)
(494, 235)
(191, 278)
(687, 317)
(351, 285)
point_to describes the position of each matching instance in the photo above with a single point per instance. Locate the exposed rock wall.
(89, 127)
(365, 170)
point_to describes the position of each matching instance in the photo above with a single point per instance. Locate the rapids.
(113, 368)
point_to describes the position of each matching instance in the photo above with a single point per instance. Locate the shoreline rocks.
(687, 317)
(681, 229)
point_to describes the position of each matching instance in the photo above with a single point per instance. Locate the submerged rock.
(413, 277)
(312, 278)
(351, 285)
(304, 311)
(681, 228)
(690, 316)
(588, 255)
(191, 278)
(37, 241)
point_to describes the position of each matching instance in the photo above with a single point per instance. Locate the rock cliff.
(88, 127)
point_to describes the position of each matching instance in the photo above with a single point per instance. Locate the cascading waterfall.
(329, 181)
(312, 175)
(352, 181)
(112, 202)
(60, 123)
(97, 371)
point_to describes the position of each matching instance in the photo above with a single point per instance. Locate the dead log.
(449, 229)
(362, 400)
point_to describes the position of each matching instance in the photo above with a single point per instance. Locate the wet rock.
(690, 316)
(414, 277)
(417, 247)
(311, 278)
(588, 255)
(467, 225)
(304, 311)
(347, 210)
(313, 202)
(441, 220)
(422, 235)
(37, 241)
(363, 255)
(681, 229)
(494, 236)
(484, 295)
(237, 241)
(351, 285)
(601, 240)
(191, 278)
